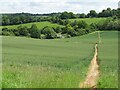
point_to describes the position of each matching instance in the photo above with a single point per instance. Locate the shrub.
(49, 32)
(23, 31)
(82, 24)
(58, 29)
(7, 32)
(16, 32)
(34, 32)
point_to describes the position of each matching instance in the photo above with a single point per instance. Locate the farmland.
(89, 20)
(58, 63)
(40, 25)
(108, 59)
(46, 63)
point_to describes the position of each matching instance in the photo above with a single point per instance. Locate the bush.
(23, 31)
(16, 32)
(69, 30)
(7, 32)
(82, 24)
(34, 32)
(58, 29)
(49, 32)
(81, 31)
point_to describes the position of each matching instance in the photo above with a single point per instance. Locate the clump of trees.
(21, 18)
(108, 24)
(67, 15)
(48, 32)
(70, 29)
(32, 32)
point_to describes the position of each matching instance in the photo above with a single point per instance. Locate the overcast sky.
(49, 6)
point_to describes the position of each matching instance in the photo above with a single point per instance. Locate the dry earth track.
(93, 72)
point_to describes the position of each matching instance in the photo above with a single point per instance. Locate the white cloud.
(48, 6)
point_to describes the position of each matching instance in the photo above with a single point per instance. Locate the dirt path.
(93, 72)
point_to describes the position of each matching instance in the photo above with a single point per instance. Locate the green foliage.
(65, 22)
(92, 14)
(6, 32)
(70, 30)
(58, 29)
(19, 18)
(75, 27)
(34, 32)
(82, 24)
(108, 13)
(108, 24)
(16, 32)
(5, 20)
(82, 15)
(67, 15)
(23, 31)
(49, 32)
(118, 13)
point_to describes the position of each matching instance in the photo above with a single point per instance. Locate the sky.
(50, 6)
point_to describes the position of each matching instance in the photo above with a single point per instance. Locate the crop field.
(89, 20)
(46, 63)
(108, 57)
(40, 25)
(58, 63)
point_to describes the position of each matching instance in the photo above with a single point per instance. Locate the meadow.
(58, 63)
(89, 20)
(40, 25)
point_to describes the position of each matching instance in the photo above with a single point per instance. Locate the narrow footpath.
(93, 71)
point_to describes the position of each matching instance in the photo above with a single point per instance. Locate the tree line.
(21, 18)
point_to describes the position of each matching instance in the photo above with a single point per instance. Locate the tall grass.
(108, 57)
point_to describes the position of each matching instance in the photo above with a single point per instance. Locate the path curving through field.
(93, 72)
